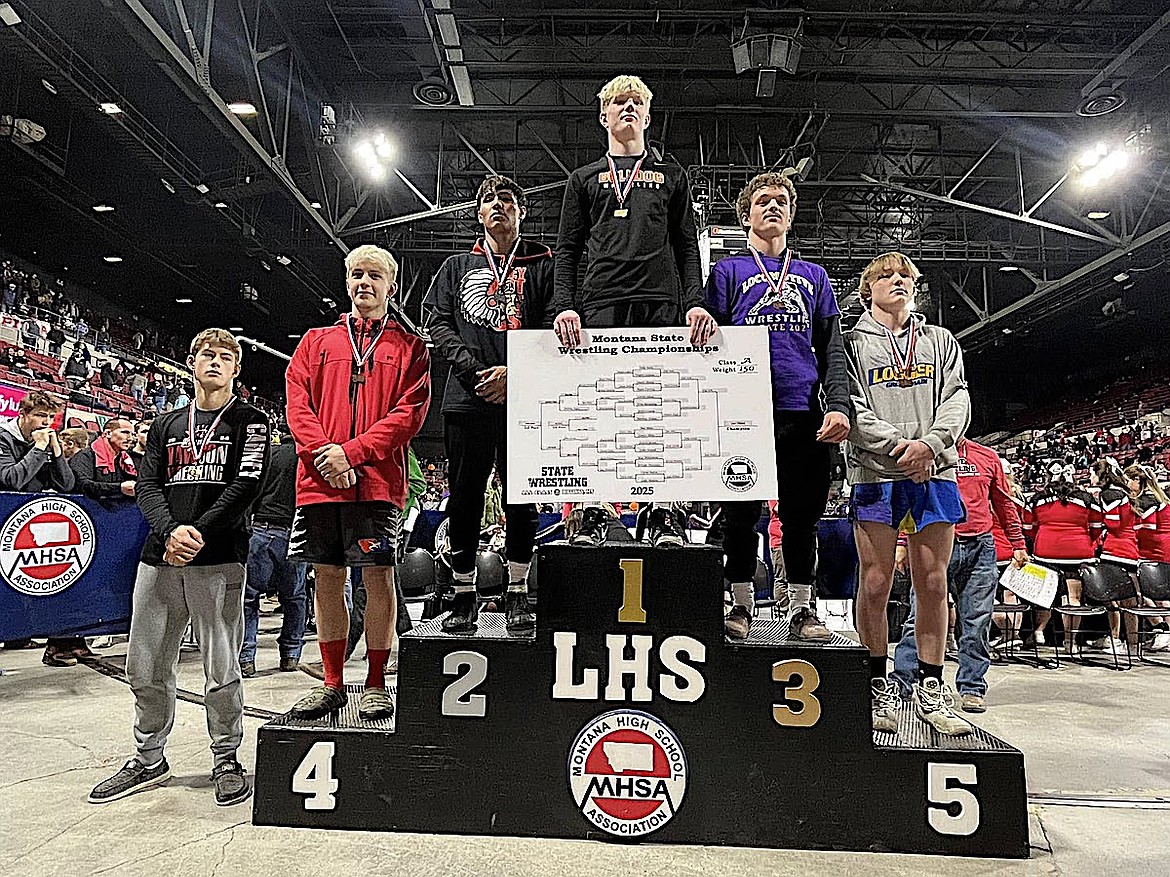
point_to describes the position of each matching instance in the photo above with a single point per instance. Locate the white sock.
(464, 582)
(153, 766)
(518, 575)
(744, 594)
(799, 597)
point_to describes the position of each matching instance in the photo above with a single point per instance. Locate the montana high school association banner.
(67, 564)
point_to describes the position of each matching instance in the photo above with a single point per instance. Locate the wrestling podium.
(629, 716)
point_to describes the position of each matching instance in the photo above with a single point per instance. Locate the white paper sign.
(639, 414)
(1034, 583)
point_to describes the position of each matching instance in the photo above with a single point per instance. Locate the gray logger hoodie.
(930, 402)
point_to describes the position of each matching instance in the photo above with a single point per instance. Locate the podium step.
(913, 733)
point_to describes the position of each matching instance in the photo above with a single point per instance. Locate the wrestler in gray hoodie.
(928, 402)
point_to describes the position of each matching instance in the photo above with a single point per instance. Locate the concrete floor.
(1086, 731)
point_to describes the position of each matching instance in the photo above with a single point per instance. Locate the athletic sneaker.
(934, 704)
(230, 785)
(464, 613)
(319, 703)
(594, 527)
(972, 703)
(133, 777)
(517, 613)
(375, 704)
(738, 623)
(665, 529)
(804, 625)
(885, 705)
(1161, 642)
(247, 669)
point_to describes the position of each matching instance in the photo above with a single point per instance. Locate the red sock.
(333, 657)
(376, 672)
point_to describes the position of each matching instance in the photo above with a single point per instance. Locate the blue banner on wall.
(67, 564)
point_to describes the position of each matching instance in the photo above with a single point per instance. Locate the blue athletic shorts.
(907, 506)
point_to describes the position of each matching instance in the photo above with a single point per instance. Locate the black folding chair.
(1153, 584)
(1101, 584)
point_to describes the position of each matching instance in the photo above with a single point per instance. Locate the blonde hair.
(625, 84)
(217, 338)
(1147, 481)
(374, 255)
(76, 434)
(767, 180)
(882, 263)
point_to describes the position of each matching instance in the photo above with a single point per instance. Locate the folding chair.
(1153, 584)
(1101, 584)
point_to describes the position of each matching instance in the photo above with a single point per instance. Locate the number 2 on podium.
(631, 610)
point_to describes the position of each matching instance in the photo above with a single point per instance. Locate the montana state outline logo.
(46, 545)
(627, 773)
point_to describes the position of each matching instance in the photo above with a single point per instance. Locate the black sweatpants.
(802, 469)
(474, 442)
(632, 315)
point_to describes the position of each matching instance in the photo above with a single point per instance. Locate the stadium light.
(110, 108)
(1121, 278)
(316, 205)
(220, 205)
(242, 108)
(374, 154)
(1101, 162)
(182, 301)
(1009, 268)
(102, 208)
(235, 328)
(1097, 214)
(112, 259)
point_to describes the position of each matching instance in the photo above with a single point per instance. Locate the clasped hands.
(334, 467)
(182, 545)
(915, 460)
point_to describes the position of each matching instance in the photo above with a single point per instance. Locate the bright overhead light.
(235, 328)
(1007, 331)
(1098, 214)
(1121, 278)
(220, 205)
(1007, 268)
(49, 87)
(376, 172)
(265, 265)
(168, 186)
(111, 259)
(284, 260)
(316, 205)
(182, 301)
(110, 108)
(102, 208)
(294, 334)
(202, 189)
(242, 108)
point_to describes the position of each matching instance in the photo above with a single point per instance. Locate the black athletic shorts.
(346, 534)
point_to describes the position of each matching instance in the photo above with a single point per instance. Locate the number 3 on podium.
(810, 708)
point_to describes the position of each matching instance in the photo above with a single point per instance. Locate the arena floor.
(1088, 732)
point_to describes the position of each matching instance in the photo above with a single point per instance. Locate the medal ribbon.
(622, 192)
(359, 358)
(200, 449)
(501, 275)
(776, 287)
(902, 362)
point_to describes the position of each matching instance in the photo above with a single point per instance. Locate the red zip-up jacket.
(1064, 532)
(373, 421)
(1121, 539)
(1153, 528)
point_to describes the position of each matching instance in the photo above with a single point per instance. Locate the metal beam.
(1045, 289)
(1128, 52)
(992, 211)
(421, 197)
(474, 151)
(438, 211)
(979, 312)
(146, 32)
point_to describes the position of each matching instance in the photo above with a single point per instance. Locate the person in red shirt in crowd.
(971, 574)
(358, 392)
(1065, 523)
(1120, 543)
(1152, 516)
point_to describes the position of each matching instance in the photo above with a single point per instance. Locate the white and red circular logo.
(627, 772)
(46, 545)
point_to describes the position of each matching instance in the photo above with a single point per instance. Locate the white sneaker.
(886, 703)
(1160, 644)
(1097, 645)
(934, 704)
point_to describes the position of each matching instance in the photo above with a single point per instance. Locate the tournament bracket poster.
(640, 414)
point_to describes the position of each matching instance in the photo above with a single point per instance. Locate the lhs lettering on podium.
(628, 678)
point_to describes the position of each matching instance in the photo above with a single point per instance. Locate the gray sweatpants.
(165, 599)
